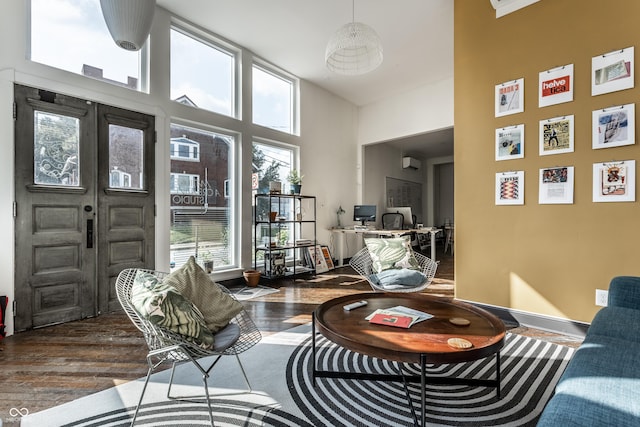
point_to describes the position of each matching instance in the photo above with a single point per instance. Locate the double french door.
(84, 205)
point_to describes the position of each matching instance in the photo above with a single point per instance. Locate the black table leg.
(423, 392)
(313, 347)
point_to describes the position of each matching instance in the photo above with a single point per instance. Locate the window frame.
(276, 72)
(193, 179)
(144, 58)
(193, 148)
(215, 42)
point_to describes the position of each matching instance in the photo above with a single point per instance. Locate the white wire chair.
(361, 262)
(167, 346)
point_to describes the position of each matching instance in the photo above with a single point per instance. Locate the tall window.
(274, 99)
(202, 197)
(271, 162)
(72, 36)
(202, 73)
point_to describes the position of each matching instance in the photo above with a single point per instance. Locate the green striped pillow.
(164, 306)
(391, 253)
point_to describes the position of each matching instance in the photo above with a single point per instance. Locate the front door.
(84, 204)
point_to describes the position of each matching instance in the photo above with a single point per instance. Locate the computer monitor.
(364, 213)
(406, 213)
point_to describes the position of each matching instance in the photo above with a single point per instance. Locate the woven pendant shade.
(354, 49)
(128, 21)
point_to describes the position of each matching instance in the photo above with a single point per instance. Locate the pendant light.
(355, 49)
(128, 21)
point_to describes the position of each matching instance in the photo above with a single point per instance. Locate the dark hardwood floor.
(49, 366)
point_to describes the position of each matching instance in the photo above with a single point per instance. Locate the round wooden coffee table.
(426, 342)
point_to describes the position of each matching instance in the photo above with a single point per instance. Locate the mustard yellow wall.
(545, 259)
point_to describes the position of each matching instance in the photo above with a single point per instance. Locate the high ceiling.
(417, 38)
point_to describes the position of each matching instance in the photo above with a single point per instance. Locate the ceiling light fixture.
(128, 21)
(355, 49)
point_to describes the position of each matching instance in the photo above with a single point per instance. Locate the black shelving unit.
(284, 229)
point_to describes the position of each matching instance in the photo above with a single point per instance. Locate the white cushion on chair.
(400, 278)
(226, 337)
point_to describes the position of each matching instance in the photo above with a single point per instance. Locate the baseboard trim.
(539, 321)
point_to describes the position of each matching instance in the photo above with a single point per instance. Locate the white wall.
(424, 109)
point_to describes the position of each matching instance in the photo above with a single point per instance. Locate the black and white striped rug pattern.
(174, 413)
(530, 369)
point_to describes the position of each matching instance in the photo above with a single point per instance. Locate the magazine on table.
(399, 313)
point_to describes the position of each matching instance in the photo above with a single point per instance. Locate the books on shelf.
(399, 316)
(304, 242)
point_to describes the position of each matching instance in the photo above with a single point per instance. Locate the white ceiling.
(417, 38)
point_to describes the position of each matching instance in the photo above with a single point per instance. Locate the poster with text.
(510, 97)
(510, 143)
(510, 188)
(556, 186)
(614, 182)
(612, 71)
(614, 126)
(555, 86)
(556, 135)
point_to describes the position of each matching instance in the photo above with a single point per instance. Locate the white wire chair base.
(166, 346)
(361, 262)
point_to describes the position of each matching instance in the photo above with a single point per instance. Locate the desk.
(341, 232)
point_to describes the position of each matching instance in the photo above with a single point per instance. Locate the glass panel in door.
(56, 149)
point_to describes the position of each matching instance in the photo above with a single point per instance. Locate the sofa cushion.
(601, 386)
(164, 306)
(617, 322)
(391, 253)
(216, 306)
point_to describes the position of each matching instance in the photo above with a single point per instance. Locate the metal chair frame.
(168, 346)
(361, 262)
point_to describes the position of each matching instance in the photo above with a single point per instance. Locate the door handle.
(89, 233)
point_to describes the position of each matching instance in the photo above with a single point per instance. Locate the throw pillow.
(163, 305)
(398, 279)
(216, 306)
(391, 253)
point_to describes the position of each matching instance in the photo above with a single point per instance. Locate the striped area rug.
(279, 369)
(530, 369)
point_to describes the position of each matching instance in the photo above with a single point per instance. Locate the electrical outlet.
(602, 297)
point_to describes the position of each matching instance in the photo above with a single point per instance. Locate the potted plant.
(295, 179)
(207, 261)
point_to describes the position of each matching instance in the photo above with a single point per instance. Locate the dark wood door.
(84, 204)
(126, 197)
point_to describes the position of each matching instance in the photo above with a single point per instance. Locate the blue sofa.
(601, 385)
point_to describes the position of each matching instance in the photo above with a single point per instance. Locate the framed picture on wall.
(614, 126)
(614, 181)
(556, 135)
(509, 97)
(556, 186)
(510, 142)
(510, 188)
(612, 71)
(555, 86)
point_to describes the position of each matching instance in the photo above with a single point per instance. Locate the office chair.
(392, 221)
